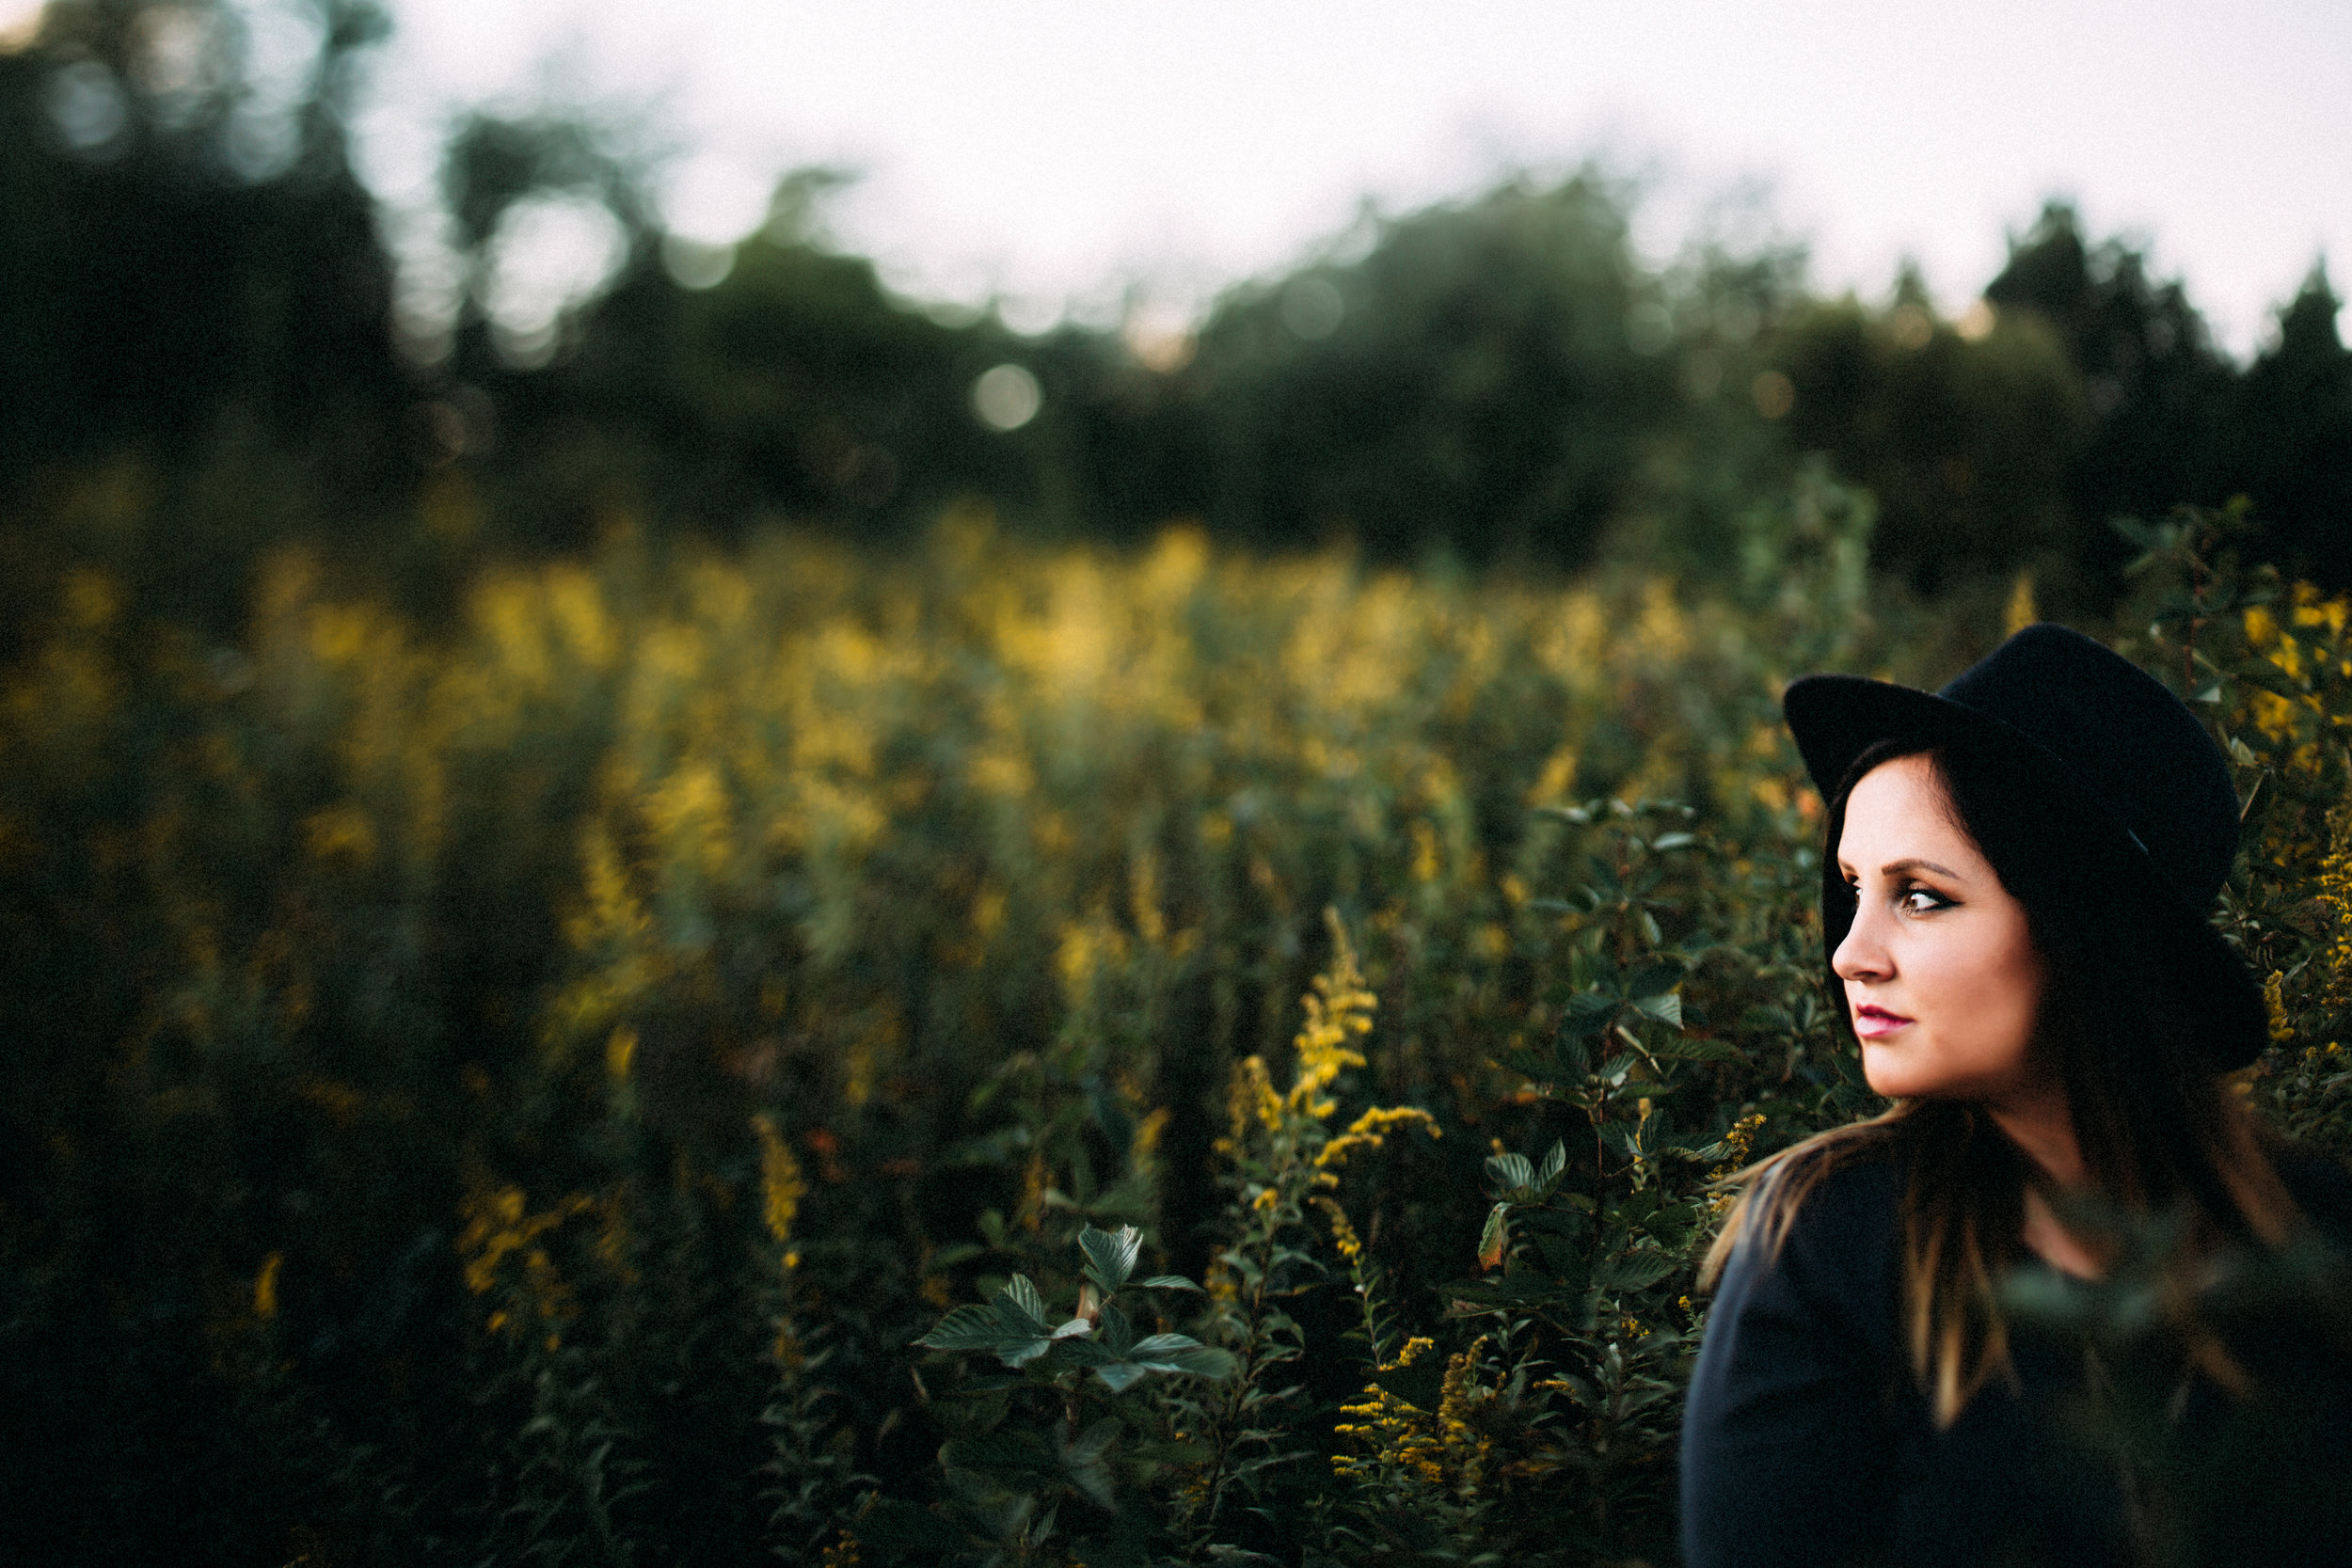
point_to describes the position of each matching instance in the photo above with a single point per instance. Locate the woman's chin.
(1890, 1073)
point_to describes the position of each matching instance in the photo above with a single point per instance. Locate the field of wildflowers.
(1002, 1056)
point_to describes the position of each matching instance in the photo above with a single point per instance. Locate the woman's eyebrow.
(1896, 868)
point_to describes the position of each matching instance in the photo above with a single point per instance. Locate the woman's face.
(1941, 975)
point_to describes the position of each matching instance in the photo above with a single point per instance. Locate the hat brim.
(1836, 719)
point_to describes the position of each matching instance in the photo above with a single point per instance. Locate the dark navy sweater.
(1806, 1440)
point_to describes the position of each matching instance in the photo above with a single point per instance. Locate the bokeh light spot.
(19, 23)
(1649, 328)
(692, 264)
(172, 51)
(550, 254)
(1006, 397)
(88, 106)
(1313, 308)
(1030, 315)
(1774, 394)
(1160, 336)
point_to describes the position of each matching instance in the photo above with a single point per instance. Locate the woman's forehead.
(1900, 810)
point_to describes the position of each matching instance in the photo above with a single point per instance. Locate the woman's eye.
(1920, 900)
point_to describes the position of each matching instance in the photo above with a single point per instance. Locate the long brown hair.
(2132, 1019)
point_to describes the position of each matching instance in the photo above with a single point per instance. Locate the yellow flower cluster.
(1339, 1012)
(1442, 1447)
(2309, 661)
(2335, 897)
(1343, 1237)
(499, 1225)
(1413, 1350)
(781, 1185)
(1252, 1098)
(1370, 1131)
(1738, 1141)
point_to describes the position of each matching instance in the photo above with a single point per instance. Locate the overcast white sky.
(1061, 149)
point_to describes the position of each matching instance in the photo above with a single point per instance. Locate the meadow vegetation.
(997, 1055)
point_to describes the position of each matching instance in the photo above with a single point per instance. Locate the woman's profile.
(2015, 894)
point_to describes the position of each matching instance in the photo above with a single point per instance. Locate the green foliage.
(1060, 1460)
(1001, 1056)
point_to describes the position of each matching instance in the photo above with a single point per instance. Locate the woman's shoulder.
(1827, 1214)
(1852, 1173)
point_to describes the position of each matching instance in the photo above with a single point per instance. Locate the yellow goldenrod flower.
(1370, 1130)
(781, 1185)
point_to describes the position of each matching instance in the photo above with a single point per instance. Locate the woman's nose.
(1862, 956)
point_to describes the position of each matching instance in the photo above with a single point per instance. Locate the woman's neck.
(2044, 1131)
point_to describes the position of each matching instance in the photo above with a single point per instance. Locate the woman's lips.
(1876, 1023)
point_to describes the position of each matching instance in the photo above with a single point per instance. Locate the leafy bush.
(722, 1057)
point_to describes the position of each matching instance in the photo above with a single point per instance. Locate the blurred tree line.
(198, 359)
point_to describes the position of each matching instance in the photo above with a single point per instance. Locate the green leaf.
(1510, 1172)
(1589, 1012)
(1181, 1353)
(1554, 1164)
(1636, 1271)
(1022, 1297)
(1119, 1376)
(1568, 1049)
(1116, 1333)
(1022, 1335)
(1666, 1008)
(1172, 1282)
(1083, 1459)
(1018, 1352)
(1110, 1255)
(966, 1328)
(1161, 1344)
(1698, 1049)
(1178, 1354)
(1091, 1444)
(1492, 1241)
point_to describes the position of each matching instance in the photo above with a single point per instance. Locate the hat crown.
(2127, 743)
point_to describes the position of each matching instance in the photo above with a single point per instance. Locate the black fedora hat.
(2121, 756)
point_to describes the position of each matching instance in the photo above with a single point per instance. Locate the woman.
(2013, 900)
